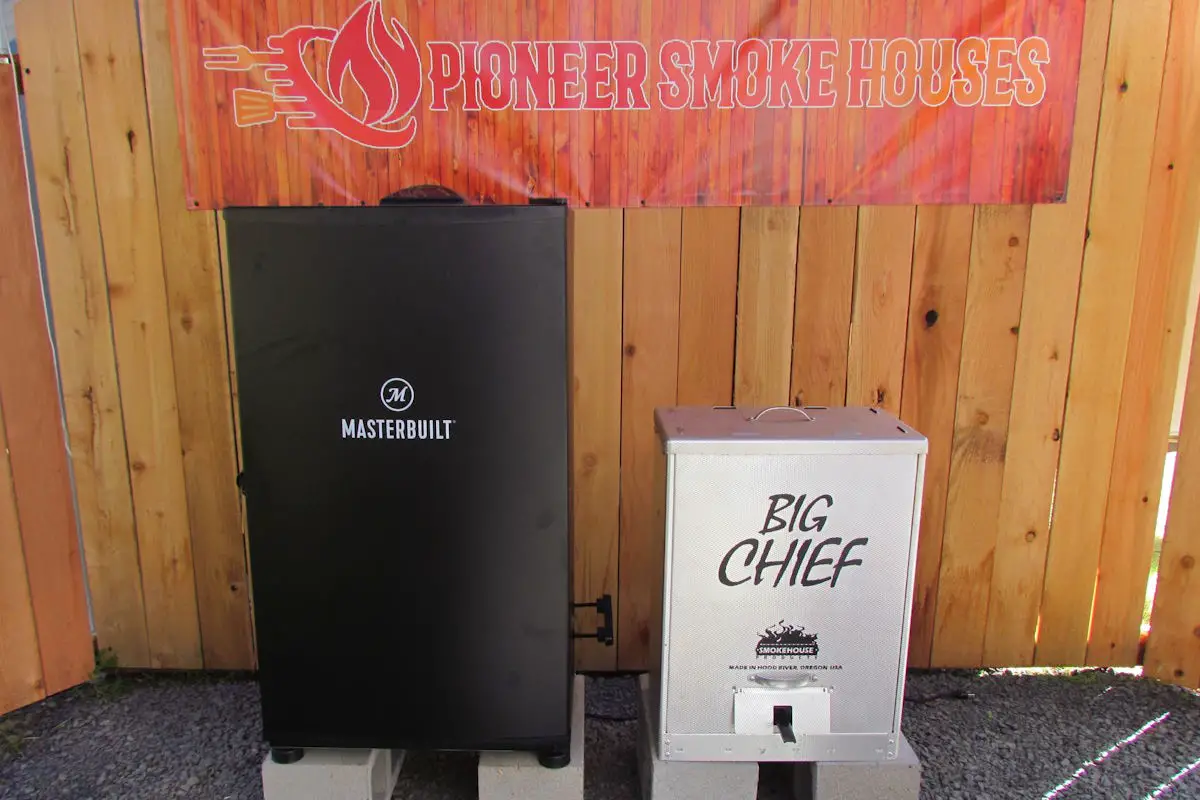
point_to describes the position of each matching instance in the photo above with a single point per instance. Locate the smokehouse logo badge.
(397, 395)
(373, 75)
(782, 641)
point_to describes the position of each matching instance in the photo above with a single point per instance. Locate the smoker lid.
(781, 430)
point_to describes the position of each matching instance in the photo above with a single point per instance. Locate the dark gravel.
(1016, 736)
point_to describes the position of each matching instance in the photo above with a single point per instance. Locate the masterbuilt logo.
(397, 396)
(782, 640)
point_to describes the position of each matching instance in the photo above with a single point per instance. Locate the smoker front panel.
(410, 548)
(720, 635)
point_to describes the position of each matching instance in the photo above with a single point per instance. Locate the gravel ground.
(1092, 734)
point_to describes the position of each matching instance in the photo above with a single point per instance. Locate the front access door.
(403, 391)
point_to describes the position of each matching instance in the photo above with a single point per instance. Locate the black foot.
(554, 759)
(286, 755)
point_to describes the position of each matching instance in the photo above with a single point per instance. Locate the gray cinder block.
(519, 776)
(328, 774)
(685, 780)
(899, 779)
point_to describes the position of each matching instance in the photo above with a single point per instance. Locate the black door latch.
(604, 633)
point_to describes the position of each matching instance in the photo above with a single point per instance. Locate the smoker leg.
(555, 758)
(286, 755)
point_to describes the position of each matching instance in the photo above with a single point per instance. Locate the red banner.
(628, 102)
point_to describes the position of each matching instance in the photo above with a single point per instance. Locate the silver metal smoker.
(791, 541)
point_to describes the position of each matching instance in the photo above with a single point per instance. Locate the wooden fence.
(1037, 347)
(44, 641)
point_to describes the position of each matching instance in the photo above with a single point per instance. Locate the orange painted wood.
(652, 248)
(766, 300)
(20, 659)
(708, 305)
(824, 297)
(1056, 241)
(62, 166)
(596, 258)
(879, 322)
(191, 261)
(1120, 186)
(1166, 266)
(36, 447)
(727, 140)
(119, 132)
(937, 309)
(985, 382)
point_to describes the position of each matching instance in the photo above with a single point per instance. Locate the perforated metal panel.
(785, 570)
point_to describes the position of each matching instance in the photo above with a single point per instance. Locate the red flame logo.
(370, 51)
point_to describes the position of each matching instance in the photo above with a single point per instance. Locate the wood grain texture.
(1173, 648)
(596, 257)
(1056, 241)
(766, 300)
(879, 322)
(191, 262)
(985, 381)
(937, 310)
(762, 145)
(62, 166)
(652, 251)
(115, 100)
(824, 299)
(37, 449)
(20, 659)
(1165, 269)
(1124, 149)
(708, 305)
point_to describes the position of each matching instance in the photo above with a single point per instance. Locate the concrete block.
(519, 776)
(328, 774)
(685, 780)
(899, 779)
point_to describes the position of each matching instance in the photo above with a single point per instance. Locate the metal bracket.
(604, 633)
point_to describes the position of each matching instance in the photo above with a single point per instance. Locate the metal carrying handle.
(785, 683)
(766, 411)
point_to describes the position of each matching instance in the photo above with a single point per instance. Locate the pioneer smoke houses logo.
(782, 640)
(370, 49)
(373, 52)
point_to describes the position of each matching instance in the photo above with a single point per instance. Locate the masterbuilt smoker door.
(402, 387)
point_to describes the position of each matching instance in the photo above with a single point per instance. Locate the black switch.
(783, 721)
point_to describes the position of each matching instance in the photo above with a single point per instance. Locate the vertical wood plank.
(37, 449)
(941, 262)
(1173, 648)
(824, 299)
(125, 184)
(596, 280)
(1120, 184)
(197, 314)
(20, 662)
(62, 168)
(1160, 311)
(222, 241)
(989, 353)
(766, 300)
(1056, 242)
(883, 273)
(708, 305)
(652, 251)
